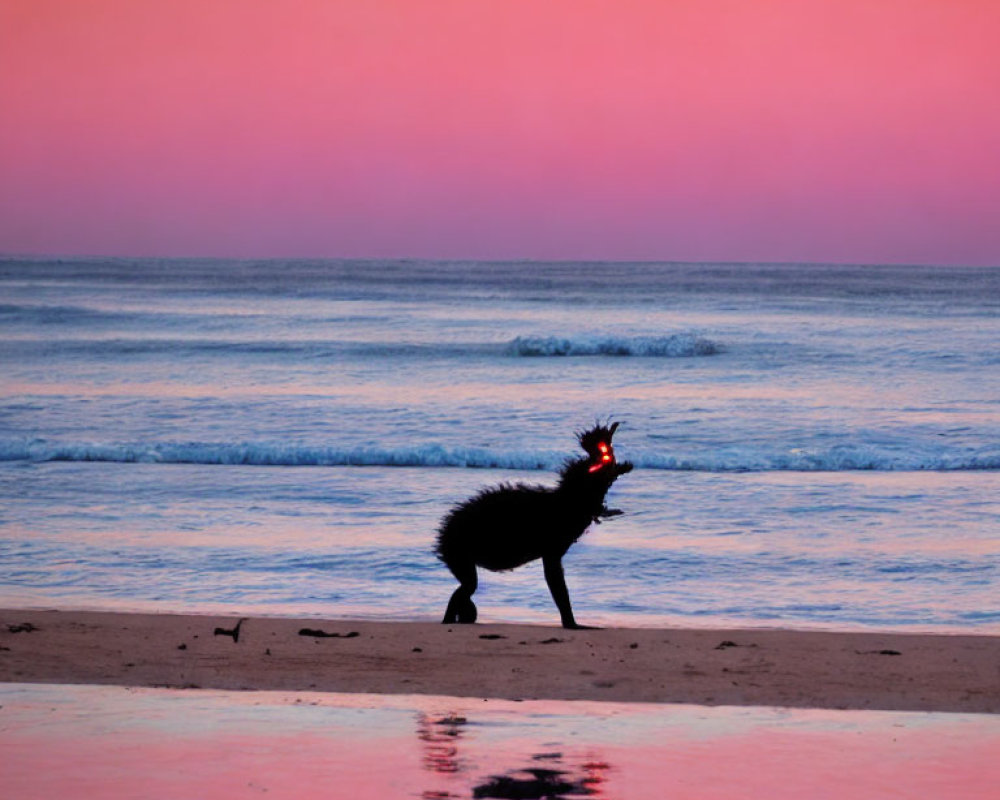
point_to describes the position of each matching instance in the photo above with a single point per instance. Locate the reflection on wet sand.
(551, 774)
(548, 783)
(157, 744)
(440, 737)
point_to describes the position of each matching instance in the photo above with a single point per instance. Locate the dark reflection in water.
(549, 776)
(536, 783)
(440, 737)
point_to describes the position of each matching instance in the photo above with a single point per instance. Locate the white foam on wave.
(678, 345)
(837, 459)
(269, 454)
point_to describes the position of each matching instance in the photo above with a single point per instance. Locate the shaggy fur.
(505, 526)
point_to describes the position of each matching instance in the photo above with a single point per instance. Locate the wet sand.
(114, 742)
(761, 667)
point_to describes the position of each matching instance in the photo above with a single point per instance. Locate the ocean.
(816, 446)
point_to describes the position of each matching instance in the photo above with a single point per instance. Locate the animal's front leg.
(557, 585)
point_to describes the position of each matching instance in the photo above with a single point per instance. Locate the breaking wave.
(837, 459)
(262, 454)
(678, 345)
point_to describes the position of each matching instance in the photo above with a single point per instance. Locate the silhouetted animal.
(506, 526)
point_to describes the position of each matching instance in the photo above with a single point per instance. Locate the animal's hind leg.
(460, 607)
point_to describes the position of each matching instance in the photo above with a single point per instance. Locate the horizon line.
(483, 260)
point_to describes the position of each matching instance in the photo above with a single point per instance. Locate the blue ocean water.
(816, 445)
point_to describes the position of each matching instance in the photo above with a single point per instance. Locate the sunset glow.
(775, 130)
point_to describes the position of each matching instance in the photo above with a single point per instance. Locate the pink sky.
(786, 130)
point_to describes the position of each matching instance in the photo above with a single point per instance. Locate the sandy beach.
(799, 669)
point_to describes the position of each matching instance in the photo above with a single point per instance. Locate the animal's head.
(597, 443)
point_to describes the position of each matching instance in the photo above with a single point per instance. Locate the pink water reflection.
(104, 742)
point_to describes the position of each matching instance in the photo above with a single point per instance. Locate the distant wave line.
(676, 345)
(838, 459)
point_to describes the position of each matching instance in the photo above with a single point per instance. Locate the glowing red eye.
(605, 456)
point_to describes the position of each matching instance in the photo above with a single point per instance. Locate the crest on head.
(597, 443)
